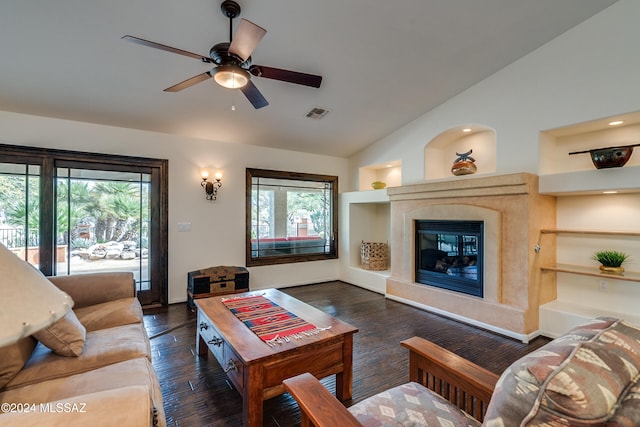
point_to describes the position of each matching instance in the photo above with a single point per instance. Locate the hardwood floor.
(196, 392)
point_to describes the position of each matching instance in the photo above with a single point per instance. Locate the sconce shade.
(28, 300)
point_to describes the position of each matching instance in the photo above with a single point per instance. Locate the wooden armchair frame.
(463, 383)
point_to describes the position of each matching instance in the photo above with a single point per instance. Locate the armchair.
(445, 383)
(587, 377)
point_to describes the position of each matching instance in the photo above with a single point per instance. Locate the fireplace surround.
(512, 212)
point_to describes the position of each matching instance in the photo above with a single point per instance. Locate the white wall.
(589, 72)
(217, 228)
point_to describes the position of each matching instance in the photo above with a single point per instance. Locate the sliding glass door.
(103, 222)
(19, 210)
(72, 213)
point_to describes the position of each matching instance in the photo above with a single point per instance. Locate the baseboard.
(525, 338)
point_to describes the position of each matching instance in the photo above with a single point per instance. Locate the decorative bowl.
(378, 185)
(613, 157)
(463, 168)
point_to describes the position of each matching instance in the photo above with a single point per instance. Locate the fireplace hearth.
(449, 255)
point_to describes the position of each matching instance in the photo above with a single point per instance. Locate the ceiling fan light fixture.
(230, 76)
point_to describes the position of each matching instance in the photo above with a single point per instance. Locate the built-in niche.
(557, 144)
(390, 173)
(364, 216)
(440, 152)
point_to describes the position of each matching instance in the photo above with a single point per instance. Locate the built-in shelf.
(389, 172)
(587, 232)
(590, 271)
(364, 216)
(562, 174)
(579, 300)
(595, 181)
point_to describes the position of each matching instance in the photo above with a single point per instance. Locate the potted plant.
(611, 261)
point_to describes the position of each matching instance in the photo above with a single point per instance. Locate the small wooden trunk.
(214, 281)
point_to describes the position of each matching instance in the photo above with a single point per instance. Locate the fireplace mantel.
(513, 212)
(495, 185)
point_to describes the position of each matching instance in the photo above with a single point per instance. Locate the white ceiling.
(384, 63)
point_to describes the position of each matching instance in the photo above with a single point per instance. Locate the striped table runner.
(272, 323)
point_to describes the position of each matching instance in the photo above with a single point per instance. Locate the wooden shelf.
(630, 276)
(592, 232)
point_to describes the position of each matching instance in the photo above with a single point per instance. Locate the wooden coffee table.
(257, 369)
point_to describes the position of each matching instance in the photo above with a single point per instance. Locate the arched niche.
(440, 152)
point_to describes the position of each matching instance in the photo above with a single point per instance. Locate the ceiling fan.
(232, 61)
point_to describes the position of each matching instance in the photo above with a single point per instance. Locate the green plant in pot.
(611, 261)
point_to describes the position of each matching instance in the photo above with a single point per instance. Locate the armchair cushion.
(586, 377)
(409, 404)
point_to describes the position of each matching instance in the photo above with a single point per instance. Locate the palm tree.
(70, 215)
(111, 209)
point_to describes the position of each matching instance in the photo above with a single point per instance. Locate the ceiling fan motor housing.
(220, 54)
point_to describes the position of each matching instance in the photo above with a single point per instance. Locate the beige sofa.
(104, 380)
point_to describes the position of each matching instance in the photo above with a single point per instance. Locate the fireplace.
(511, 212)
(449, 255)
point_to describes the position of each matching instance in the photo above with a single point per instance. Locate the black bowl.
(613, 157)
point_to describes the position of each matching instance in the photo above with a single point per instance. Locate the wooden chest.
(214, 281)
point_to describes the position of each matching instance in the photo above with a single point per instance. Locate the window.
(291, 217)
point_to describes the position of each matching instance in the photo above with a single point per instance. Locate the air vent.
(317, 113)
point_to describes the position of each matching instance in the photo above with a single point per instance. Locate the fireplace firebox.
(449, 255)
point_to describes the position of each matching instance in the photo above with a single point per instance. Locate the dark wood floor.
(196, 392)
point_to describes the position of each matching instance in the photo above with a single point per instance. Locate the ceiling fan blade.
(155, 45)
(247, 37)
(189, 82)
(286, 75)
(253, 95)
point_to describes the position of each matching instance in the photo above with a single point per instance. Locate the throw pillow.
(13, 357)
(65, 337)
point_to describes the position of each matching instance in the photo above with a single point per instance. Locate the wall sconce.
(211, 188)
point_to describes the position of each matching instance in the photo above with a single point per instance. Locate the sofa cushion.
(119, 312)
(581, 378)
(133, 372)
(410, 404)
(65, 337)
(13, 357)
(126, 406)
(102, 347)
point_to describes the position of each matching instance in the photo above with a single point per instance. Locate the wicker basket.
(374, 256)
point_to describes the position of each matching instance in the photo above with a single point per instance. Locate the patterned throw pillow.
(581, 378)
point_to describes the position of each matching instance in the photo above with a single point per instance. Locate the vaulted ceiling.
(384, 63)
